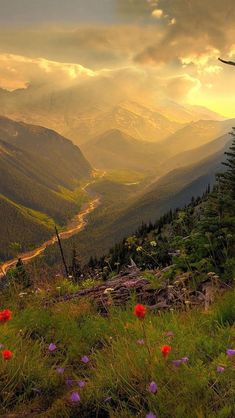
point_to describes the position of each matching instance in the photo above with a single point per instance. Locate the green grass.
(120, 370)
(125, 176)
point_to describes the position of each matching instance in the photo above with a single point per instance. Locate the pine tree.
(226, 180)
(75, 268)
(20, 274)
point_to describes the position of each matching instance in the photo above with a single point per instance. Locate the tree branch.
(227, 62)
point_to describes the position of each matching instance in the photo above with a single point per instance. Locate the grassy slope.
(120, 370)
(43, 173)
(22, 225)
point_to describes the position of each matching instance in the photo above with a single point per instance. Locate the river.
(76, 225)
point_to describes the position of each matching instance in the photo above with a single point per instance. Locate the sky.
(148, 50)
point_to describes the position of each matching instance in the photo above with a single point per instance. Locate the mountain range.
(81, 113)
(115, 149)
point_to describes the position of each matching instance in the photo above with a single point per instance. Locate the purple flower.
(184, 359)
(52, 347)
(220, 369)
(81, 383)
(151, 415)
(60, 370)
(153, 387)
(177, 363)
(74, 397)
(170, 334)
(85, 359)
(68, 381)
(140, 342)
(230, 352)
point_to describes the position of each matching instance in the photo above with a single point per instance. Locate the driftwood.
(156, 293)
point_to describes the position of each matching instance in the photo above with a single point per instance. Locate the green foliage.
(38, 190)
(120, 370)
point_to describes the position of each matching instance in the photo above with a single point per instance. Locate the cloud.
(196, 26)
(17, 71)
(94, 47)
(157, 13)
(180, 87)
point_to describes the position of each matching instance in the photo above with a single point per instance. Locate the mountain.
(193, 156)
(56, 154)
(186, 113)
(141, 122)
(116, 220)
(196, 134)
(173, 190)
(116, 150)
(80, 113)
(38, 168)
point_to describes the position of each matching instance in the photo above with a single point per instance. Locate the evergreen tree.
(75, 268)
(226, 180)
(20, 274)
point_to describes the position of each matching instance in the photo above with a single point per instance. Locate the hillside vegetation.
(41, 170)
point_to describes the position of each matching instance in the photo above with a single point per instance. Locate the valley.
(76, 225)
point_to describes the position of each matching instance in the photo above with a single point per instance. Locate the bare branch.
(227, 62)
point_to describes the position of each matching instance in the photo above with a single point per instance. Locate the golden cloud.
(17, 71)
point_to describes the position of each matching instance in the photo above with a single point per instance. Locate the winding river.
(76, 225)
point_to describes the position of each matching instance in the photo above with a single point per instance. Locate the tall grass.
(120, 366)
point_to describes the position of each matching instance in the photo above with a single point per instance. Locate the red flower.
(166, 349)
(140, 311)
(6, 354)
(5, 315)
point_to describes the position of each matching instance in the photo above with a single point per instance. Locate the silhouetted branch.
(227, 62)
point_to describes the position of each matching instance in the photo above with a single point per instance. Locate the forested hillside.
(125, 207)
(39, 171)
(197, 238)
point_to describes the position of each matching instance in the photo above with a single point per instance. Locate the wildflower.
(230, 352)
(176, 363)
(151, 415)
(140, 342)
(166, 349)
(7, 354)
(60, 370)
(169, 334)
(52, 347)
(138, 249)
(185, 359)
(5, 315)
(153, 243)
(68, 381)
(108, 290)
(153, 387)
(220, 369)
(74, 397)
(140, 311)
(81, 383)
(85, 359)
